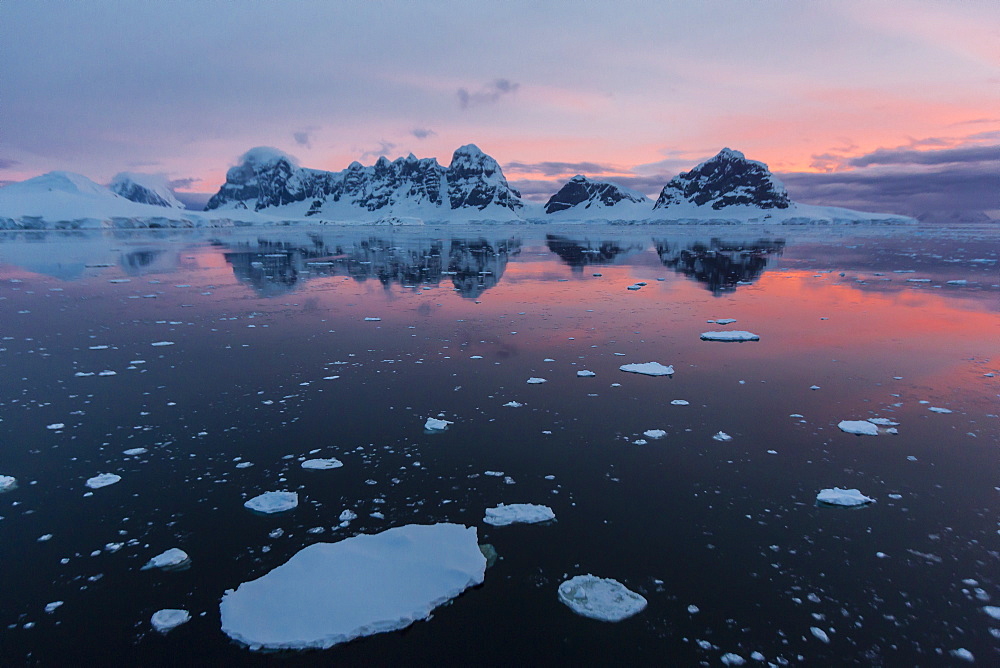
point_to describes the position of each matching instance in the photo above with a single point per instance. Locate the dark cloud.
(559, 168)
(937, 157)
(384, 148)
(488, 94)
(302, 138)
(422, 133)
(183, 183)
(7, 163)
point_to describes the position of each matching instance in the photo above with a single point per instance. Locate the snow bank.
(843, 497)
(273, 502)
(383, 582)
(649, 369)
(169, 618)
(734, 335)
(525, 513)
(102, 480)
(860, 427)
(600, 598)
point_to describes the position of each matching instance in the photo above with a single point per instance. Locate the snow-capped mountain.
(726, 180)
(145, 189)
(269, 181)
(581, 194)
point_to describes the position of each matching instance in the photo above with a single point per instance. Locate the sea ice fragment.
(524, 513)
(604, 599)
(273, 502)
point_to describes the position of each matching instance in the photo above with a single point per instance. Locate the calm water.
(273, 359)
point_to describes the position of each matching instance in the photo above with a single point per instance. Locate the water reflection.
(276, 267)
(579, 254)
(720, 265)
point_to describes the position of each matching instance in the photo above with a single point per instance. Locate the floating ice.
(600, 598)
(383, 582)
(169, 618)
(131, 452)
(513, 404)
(860, 427)
(7, 483)
(55, 425)
(53, 606)
(162, 343)
(648, 369)
(171, 560)
(963, 654)
(585, 374)
(722, 436)
(935, 409)
(102, 480)
(536, 381)
(434, 424)
(273, 502)
(731, 659)
(679, 402)
(654, 433)
(322, 464)
(525, 513)
(820, 634)
(734, 335)
(883, 422)
(725, 321)
(843, 497)
(372, 319)
(993, 611)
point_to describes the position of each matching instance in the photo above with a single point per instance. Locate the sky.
(880, 105)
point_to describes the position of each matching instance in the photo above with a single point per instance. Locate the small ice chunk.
(693, 609)
(883, 422)
(536, 381)
(53, 606)
(963, 654)
(654, 433)
(843, 497)
(731, 659)
(383, 582)
(372, 319)
(820, 634)
(725, 321)
(513, 404)
(648, 369)
(171, 560)
(993, 611)
(722, 436)
(322, 464)
(434, 424)
(585, 374)
(860, 427)
(600, 598)
(7, 483)
(524, 513)
(169, 618)
(733, 335)
(132, 452)
(102, 480)
(935, 409)
(55, 425)
(814, 387)
(162, 343)
(679, 402)
(348, 515)
(273, 502)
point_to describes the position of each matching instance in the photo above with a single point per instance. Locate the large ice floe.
(103, 480)
(331, 593)
(273, 502)
(600, 598)
(860, 427)
(734, 335)
(322, 464)
(842, 497)
(649, 368)
(525, 513)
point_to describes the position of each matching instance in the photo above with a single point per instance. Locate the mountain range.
(268, 186)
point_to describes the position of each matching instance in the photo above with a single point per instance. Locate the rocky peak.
(145, 189)
(581, 192)
(727, 179)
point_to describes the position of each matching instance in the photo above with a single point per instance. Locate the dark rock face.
(474, 180)
(581, 192)
(728, 179)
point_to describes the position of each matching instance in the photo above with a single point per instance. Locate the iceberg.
(734, 335)
(383, 582)
(649, 369)
(102, 480)
(860, 427)
(600, 598)
(273, 502)
(843, 497)
(169, 618)
(173, 559)
(525, 513)
(434, 424)
(322, 464)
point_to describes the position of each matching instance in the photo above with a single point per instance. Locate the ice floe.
(383, 582)
(169, 618)
(55, 425)
(680, 402)
(162, 343)
(171, 560)
(513, 404)
(132, 452)
(524, 513)
(734, 335)
(536, 381)
(936, 409)
(843, 497)
(722, 436)
(7, 483)
(654, 433)
(102, 480)
(600, 598)
(820, 634)
(53, 606)
(648, 368)
(322, 464)
(585, 374)
(434, 424)
(273, 502)
(860, 427)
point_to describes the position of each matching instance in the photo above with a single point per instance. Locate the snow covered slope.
(145, 189)
(581, 197)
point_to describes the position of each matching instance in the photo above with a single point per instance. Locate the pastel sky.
(870, 103)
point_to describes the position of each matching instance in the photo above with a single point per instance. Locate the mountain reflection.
(274, 268)
(720, 265)
(579, 254)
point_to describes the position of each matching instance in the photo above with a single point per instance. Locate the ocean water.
(283, 344)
